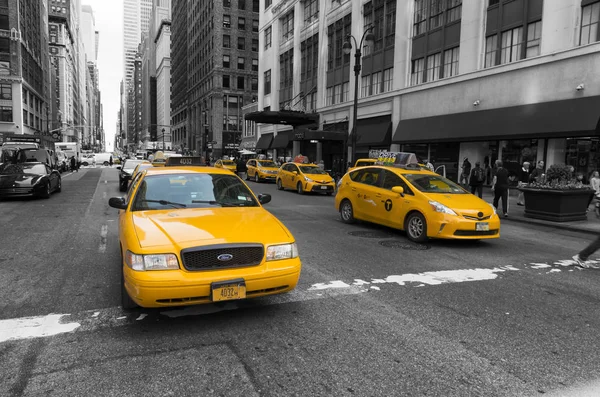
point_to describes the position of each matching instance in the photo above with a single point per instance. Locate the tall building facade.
(161, 33)
(24, 65)
(215, 65)
(446, 79)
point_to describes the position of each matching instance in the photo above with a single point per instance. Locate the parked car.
(87, 159)
(103, 158)
(37, 155)
(125, 172)
(29, 179)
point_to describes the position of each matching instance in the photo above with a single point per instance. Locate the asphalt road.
(373, 314)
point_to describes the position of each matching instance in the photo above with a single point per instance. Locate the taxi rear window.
(157, 192)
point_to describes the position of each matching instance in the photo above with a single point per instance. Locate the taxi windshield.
(228, 162)
(266, 163)
(312, 170)
(434, 184)
(158, 192)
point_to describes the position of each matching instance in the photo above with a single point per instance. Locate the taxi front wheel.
(347, 212)
(416, 228)
(279, 185)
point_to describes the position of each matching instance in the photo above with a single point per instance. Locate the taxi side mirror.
(399, 190)
(264, 198)
(117, 202)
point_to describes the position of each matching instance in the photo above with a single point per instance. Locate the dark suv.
(125, 172)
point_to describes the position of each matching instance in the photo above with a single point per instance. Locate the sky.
(109, 23)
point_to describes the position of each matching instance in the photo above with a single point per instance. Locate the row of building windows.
(241, 4)
(241, 43)
(435, 66)
(241, 23)
(432, 14)
(240, 81)
(241, 63)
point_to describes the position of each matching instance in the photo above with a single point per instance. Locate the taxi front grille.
(222, 256)
(474, 218)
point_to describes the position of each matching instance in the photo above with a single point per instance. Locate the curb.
(554, 225)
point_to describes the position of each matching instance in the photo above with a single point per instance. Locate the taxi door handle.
(378, 195)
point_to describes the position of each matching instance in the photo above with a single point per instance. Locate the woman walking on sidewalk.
(523, 180)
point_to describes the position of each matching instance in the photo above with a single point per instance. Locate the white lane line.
(103, 234)
(44, 326)
(104, 195)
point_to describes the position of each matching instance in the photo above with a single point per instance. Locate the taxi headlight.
(307, 179)
(151, 262)
(493, 208)
(283, 251)
(438, 207)
(339, 183)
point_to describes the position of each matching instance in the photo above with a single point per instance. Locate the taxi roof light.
(184, 161)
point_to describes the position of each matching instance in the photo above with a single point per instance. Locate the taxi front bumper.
(458, 227)
(168, 288)
(317, 187)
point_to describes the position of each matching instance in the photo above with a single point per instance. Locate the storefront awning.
(287, 117)
(264, 142)
(374, 131)
(281, 140)
(572, 117)
(318, 135)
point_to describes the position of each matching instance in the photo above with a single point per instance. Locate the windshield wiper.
(165, 202)
(212, 202)
(222, 204)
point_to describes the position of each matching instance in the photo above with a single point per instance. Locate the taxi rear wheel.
(347, 212)
(416, 228)
(279, 185)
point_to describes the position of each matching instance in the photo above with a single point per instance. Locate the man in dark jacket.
(476, 179)
(241, 168)
(500, 188)
(537, 174)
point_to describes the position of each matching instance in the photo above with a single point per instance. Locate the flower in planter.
(559, 177)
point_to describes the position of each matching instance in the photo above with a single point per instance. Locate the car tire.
(256, 178)
(299, 188)
(105, 163)
(59, 186)
(85, 163)
(416, 227)
(122, 187)
(126, 302)
(279, 184)
(47, 191)
(347, 212)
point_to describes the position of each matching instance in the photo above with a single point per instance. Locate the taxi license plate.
(482, 227)
(324, 187)
(228, 290)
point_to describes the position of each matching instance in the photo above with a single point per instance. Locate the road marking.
(86, 321)
(103, 234)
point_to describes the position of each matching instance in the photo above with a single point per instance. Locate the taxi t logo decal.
(388, 205)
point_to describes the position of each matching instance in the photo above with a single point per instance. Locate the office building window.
(287, 26)
(345, 91)
(255, 45)
(491, 49)
(534, 34)
(226, 21)
(241, 43)
(267, 82)
(254, 82)
(227, 3)
(420, 17)
(590, 17)
(451, 62)
(435, 13)
(241, 63)
(311, 11)
(226, 62)
(255, 65)
(240, 82)
(511, 45)
(242, 23)
(6, 114)
(226, 83)
(453, 10)
(336, 36)
(329, 96)
(268, 3)
(388, 79)
(255, 25)
(226, 41)
(376, 83)
(242, 4)
(267, 37)
(416, 71)
(433, 67)
(5, 91)
(255, 6)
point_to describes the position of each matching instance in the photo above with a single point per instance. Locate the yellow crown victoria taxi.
(187, 236)
(261, 170)
(304, 178)
(411, 198)
(226, 164)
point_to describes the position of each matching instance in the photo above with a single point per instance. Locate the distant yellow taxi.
(409, 197)
(226, 164)
(183, 234)
(261, 170)
(305, 178)
(362, 163)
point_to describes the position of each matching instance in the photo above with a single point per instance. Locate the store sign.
(299, 135)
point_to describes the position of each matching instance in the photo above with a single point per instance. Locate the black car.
(125, 172)
(28, 179)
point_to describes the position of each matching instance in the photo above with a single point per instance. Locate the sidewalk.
(516, 213)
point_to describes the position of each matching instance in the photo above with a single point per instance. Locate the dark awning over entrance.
(288, 117)
(572, 117)
(318, 135)
(374, 131)
(264, 142)
(282, 140)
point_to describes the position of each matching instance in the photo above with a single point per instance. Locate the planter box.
(557, 205)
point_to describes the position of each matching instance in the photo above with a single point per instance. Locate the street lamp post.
(163, 139)
(368, 38)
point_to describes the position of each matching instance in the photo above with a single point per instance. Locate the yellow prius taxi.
(226, 164)
(261, 170)
(304, 178)
(188, 236)
(401, 194)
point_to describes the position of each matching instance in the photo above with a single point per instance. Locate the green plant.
(558, 177)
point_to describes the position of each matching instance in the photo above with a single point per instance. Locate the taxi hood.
(183, 228)
(463, 203)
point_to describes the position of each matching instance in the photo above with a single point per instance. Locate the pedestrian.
(466, 171)
(241, 168)
(321, 164)
(523, 180)
(73, 164)
(538, 175)
(110, 162)
(500, 188)
(431, 168)
(476, 179)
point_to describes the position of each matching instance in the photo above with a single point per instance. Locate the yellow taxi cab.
(305, 178)
(188, 243)
(261, 170)
(362, 163)
(226, 164)
(159, 159)
(401, 194)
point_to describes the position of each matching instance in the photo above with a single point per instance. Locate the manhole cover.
(404, 245)
(370, 234)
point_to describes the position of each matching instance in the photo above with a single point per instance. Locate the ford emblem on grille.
(225, 257)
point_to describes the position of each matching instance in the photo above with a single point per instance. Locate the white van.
(103, 158)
